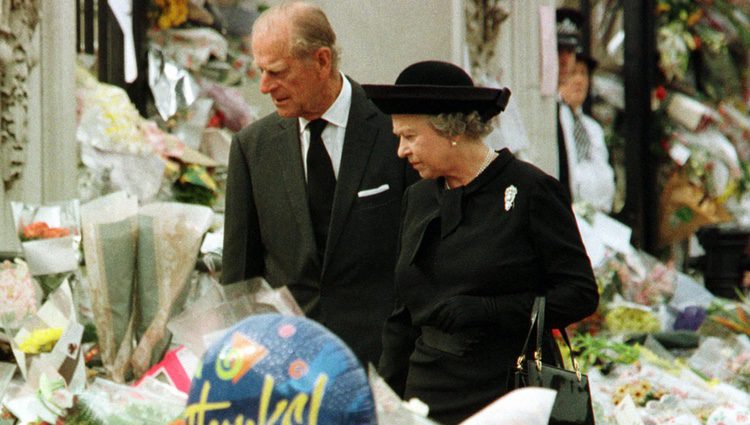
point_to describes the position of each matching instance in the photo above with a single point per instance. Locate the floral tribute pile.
(660, 348)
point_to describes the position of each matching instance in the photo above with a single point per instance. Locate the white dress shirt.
(591, 180)
(333, 135)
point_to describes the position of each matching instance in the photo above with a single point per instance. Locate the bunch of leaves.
(732, 315)
(80, 414)
(740, 367)
(686, 12)
(602, 352)
(195, 186)
(50, 282)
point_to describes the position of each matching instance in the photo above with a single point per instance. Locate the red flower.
(217, 120)
(41, 230)
(35, 230)
(55, 232)
(661, 93)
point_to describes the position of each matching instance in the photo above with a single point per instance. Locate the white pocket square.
(369, 192)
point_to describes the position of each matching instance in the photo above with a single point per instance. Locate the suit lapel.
(358, 143)
(290, 160)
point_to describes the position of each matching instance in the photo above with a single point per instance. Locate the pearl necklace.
(491, 155)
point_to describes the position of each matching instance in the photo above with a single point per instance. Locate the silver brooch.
(510, 196)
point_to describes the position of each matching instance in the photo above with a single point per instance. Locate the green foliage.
(602, 352)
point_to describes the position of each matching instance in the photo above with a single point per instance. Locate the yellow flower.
(695, 17)
(41, 341)
(644, 386)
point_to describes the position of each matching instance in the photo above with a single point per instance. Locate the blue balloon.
(274, 369)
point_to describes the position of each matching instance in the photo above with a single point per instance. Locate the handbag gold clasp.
(519, 362)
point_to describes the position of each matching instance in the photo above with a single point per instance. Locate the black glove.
(464, 311)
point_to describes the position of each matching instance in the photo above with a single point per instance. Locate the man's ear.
(323, 57)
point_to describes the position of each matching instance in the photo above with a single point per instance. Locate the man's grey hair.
(310, 28)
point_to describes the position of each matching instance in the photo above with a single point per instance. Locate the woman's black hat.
(569, 28)
(590, 62)
(434, 87)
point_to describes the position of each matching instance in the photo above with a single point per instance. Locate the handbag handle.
(537, 319)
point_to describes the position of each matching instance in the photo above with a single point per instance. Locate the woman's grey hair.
(310, 28)
(453, 124)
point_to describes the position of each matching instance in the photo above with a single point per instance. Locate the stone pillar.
(58, 106)
(49, 173)
(519, 56)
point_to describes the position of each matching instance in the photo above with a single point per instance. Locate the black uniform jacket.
(268, 231)
(511, 234)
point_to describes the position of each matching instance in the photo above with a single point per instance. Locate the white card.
(679, 153)
(592, 242)
(616, 235)
(626, 413)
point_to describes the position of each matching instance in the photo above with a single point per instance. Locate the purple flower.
(690, 318)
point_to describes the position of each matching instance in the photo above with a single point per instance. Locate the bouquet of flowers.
(655, 287)
(727, 317)
(48, 342)
(169, 239)
(138, 262)
(221, 306)
(631, 318)
(110, 232)
(19, 295)
(50, 237)
(739, 366)
(684, 207)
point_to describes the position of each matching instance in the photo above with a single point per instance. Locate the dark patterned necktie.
(321, 183)
(583, 144)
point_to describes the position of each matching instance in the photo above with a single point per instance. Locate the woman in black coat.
(481, 235)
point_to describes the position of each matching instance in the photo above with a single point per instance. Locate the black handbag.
(573, 402)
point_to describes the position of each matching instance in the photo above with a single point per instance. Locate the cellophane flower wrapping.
(726, 318)
(653, 284)
(50, 235)
(220, 307)
(684, 207)
(110, 403)
(169, 237)
(172, 86)
(110, 234)
(665, 391)
(49, 342)
(390, 408)
(230, 102)
(19, 294)
(118, 147)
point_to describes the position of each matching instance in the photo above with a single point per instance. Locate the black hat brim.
(590, 62)
(434, 100)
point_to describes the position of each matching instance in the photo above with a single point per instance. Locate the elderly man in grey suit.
(314, 190)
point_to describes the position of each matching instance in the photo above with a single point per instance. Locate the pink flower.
(17, 293)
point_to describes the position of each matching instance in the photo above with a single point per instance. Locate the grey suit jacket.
(268, 231)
